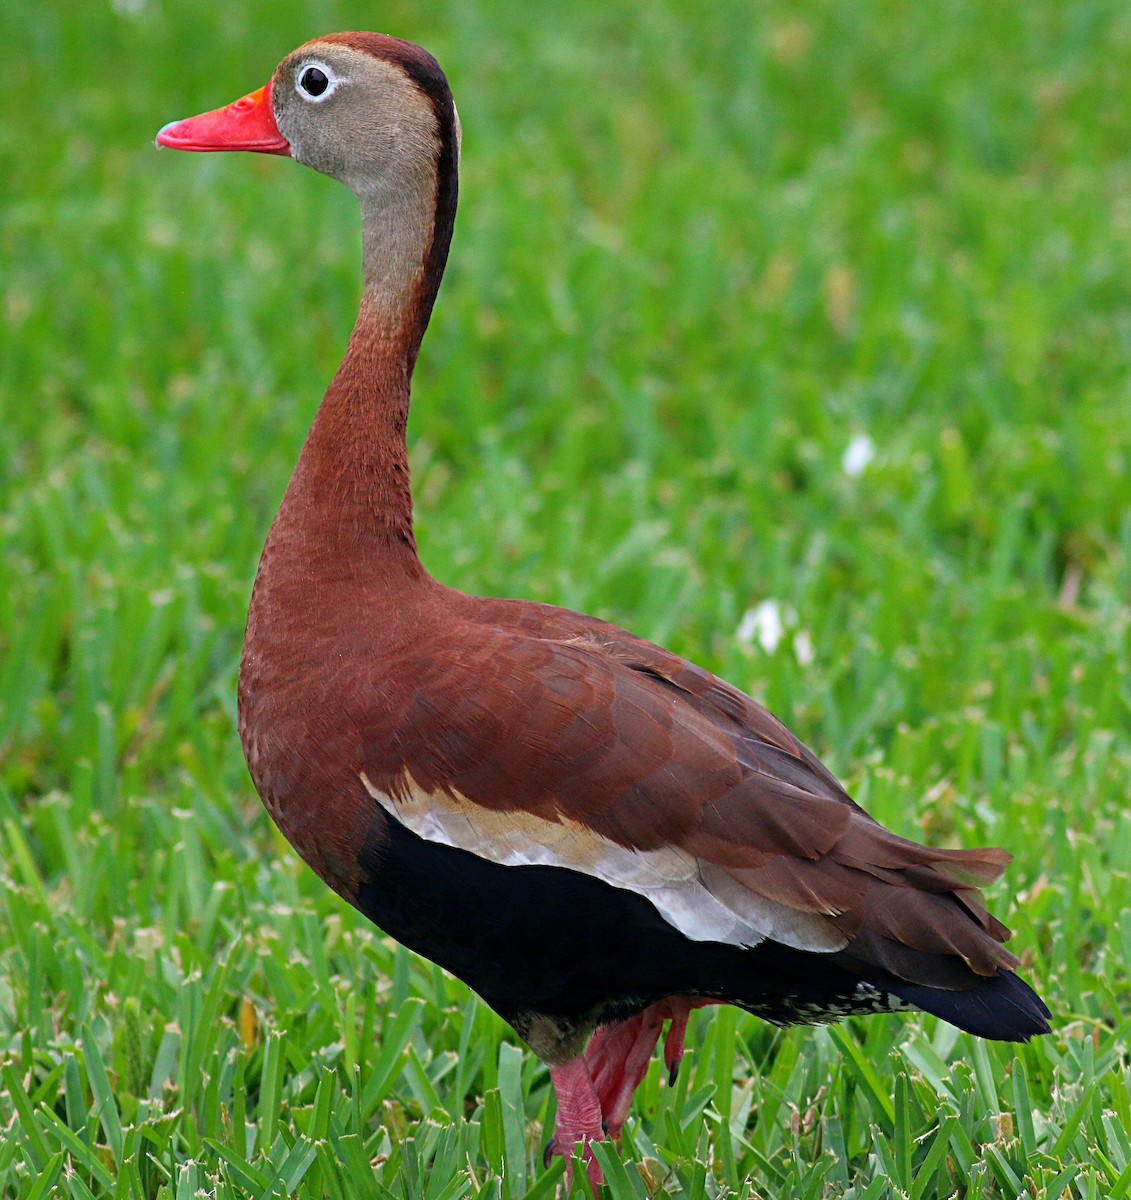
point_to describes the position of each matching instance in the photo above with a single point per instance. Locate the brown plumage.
(592, 832)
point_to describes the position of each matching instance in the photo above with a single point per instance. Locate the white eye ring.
(312, 74)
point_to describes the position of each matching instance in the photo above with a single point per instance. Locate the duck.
(595, 835)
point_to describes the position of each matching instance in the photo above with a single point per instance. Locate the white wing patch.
(700, 899)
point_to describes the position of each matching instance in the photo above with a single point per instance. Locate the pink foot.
(618, 1054)
(595, 1089)
(678, 1009)
(618, 1057)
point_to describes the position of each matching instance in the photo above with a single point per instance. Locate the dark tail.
(1004, 1008)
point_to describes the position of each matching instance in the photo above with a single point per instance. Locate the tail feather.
(1003, 1008)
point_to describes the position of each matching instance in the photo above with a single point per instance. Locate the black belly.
(549, 940)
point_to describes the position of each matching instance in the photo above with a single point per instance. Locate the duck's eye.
(313, 82)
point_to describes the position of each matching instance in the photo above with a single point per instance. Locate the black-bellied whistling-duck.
(594, 834)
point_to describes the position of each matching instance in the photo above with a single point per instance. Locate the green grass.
(697, 256)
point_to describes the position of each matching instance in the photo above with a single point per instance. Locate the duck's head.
(362, 107)
(375, 112)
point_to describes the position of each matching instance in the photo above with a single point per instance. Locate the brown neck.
(352, 475)
(351, 486)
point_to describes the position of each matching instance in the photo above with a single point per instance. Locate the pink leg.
(618, 1054)
(579, 1116)
(595, 1089)
(618, 1061)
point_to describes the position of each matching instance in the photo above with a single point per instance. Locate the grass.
(698, 258)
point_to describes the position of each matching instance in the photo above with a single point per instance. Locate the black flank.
(553, 941)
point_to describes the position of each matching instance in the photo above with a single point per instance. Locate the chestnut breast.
(325, 678)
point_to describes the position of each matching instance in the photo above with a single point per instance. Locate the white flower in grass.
(857, 455)
(766, 624)
(762, 624)
(803, 647)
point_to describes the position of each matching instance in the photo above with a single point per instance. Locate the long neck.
(352, 475)
(351, 484)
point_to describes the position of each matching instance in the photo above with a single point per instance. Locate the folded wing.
(579, 746)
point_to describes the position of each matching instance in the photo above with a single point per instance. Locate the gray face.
(356, 117)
